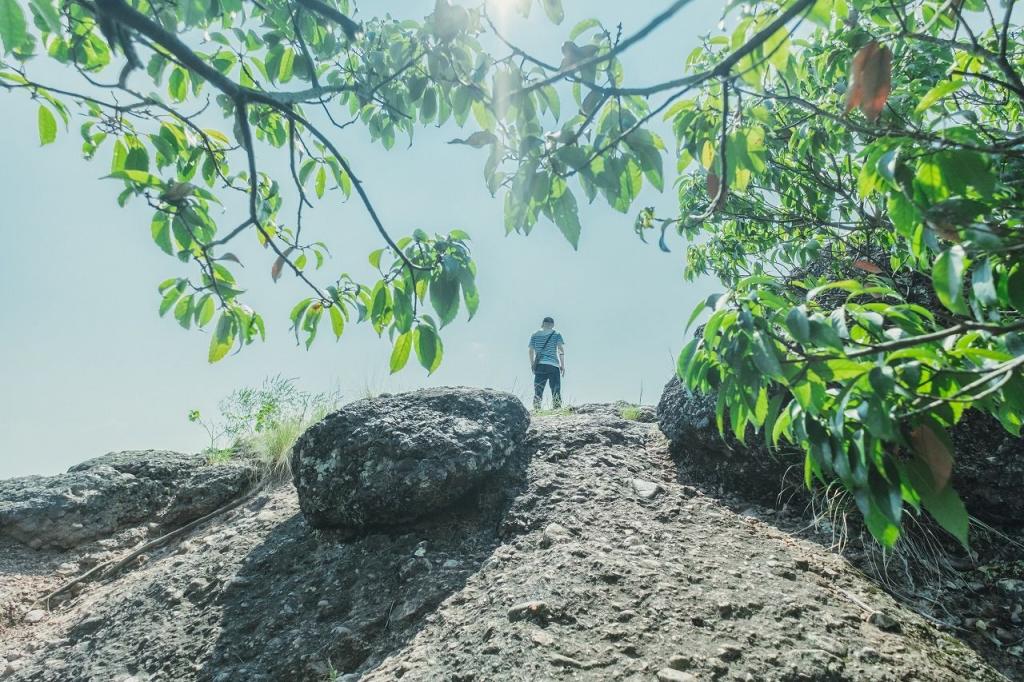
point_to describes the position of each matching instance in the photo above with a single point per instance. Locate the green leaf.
(685, 356)
(204, 311)
(1015, 287)
(284, 72)
(695, 314)
(821, 12)
(337, 320)
(948, 509)
(177, 85)
(983, 285)
(428, 347)
(13, 28)
(583, 26)
(171, 297)
(799, 326)
(321, 182)
(47, 126)
(937, 93)
(46, 11)
(403, 310)
(141, 177)
(553, 8)
(161, 230)
(223, 337)
(401, 350)
(375, 258)
(444, 296)
(471, 297)
(947, 278)
(183, 311)
(765, 356)
(118, 157)
(428, 107)
(878, 522)
(566, 214)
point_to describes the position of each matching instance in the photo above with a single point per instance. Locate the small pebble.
(528, 609)
(34, 616)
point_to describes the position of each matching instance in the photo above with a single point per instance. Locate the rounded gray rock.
(101, 496)
(390, 460)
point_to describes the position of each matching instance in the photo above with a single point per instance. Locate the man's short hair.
(549, 320)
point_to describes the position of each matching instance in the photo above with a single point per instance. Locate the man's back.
(544, 343)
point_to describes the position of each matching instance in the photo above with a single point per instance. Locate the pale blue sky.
(88, 367)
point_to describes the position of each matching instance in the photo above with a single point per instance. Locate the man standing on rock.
(547, 359)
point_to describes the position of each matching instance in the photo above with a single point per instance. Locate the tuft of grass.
(630, 413)
(920, 558)
(219, 455)
(273, 445)
(560, 412)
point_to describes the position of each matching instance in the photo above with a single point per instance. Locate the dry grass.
(273, 445)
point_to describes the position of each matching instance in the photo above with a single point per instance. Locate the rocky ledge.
(104, 495)
(587, 554)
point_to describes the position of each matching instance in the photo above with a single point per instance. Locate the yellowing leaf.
(707, 154)
(937, 93)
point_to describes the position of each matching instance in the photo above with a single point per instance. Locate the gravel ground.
(591, 558)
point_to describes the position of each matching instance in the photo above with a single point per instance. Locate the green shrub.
(264, 422)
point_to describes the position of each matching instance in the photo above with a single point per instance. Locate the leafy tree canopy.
(850, 169)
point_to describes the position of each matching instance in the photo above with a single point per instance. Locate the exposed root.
(110, 568)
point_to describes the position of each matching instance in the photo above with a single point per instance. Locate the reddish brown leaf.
(275, 270)
(714, 187)
(946, 230)
(855, 90)
(870, 80)
(935, 452)
(867, 266)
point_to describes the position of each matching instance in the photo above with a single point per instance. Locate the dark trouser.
(551, 375)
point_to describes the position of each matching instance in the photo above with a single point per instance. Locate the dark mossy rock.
(988, 469)
(388, 461)
(748, 469)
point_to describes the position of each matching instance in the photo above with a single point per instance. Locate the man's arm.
(561, 358)
(532, 356)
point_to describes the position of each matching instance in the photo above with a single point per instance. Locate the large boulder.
(988, 471)
(704, 456)
(101, 496)
(386, 461)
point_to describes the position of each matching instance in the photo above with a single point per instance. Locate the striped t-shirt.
(546, 354)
